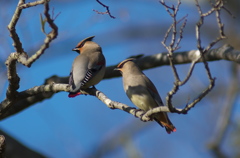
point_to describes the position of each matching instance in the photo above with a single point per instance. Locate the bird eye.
(82, 44)
(121, 64)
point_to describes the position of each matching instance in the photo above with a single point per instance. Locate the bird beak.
(75, 49)
(117, 69)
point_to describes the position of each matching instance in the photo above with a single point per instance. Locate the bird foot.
(145, 118)
(136, 111)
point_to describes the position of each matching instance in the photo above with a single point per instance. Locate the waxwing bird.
(142, 92)
(88, 67)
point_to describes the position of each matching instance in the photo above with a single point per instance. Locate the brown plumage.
(142, 92)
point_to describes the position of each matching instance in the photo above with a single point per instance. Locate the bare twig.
(216, 8)
(200, 55)
(50, 37)
(11, 27)
(13, 78)
(172, 47)
(107, 10)
(53, 16)
(32, 4)
(20, 55)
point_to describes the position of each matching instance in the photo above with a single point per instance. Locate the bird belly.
(142, 100)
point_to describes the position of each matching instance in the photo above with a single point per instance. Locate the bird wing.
(70, 81)
(83, 72)
(153, 91)
(78, 73)
(162, 117)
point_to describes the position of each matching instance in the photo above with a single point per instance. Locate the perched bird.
(142, 92)
(88, 67)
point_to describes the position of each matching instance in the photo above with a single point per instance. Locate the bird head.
(86, 44)
(120, 65)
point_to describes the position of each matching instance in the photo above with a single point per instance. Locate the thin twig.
(13, 77)
(33, 4)
(216, 7)
(50, 37)
(20, 55)
(173, 46)
(12, 25)
(107, 10)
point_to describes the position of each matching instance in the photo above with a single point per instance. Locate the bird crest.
(120, 65)
(81, 43)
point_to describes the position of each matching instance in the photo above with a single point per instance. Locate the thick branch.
(54, 88)
(5, 112)
(225, 52)
(8, 108)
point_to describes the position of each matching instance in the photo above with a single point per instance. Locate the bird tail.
(72, 95)
(164, 121)
(169, 127)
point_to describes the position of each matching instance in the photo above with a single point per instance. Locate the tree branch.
(11, 27)
(50, 37)
(22, 56)
(32, 4)
(174, 45)
(107, 10)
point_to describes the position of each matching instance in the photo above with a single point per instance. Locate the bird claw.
(135, 112)
(145, 118)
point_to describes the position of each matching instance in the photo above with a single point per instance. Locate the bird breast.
(141, 97)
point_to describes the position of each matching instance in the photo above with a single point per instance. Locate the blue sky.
(61, 127)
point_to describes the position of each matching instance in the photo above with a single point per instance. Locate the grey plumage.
(88, 67)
